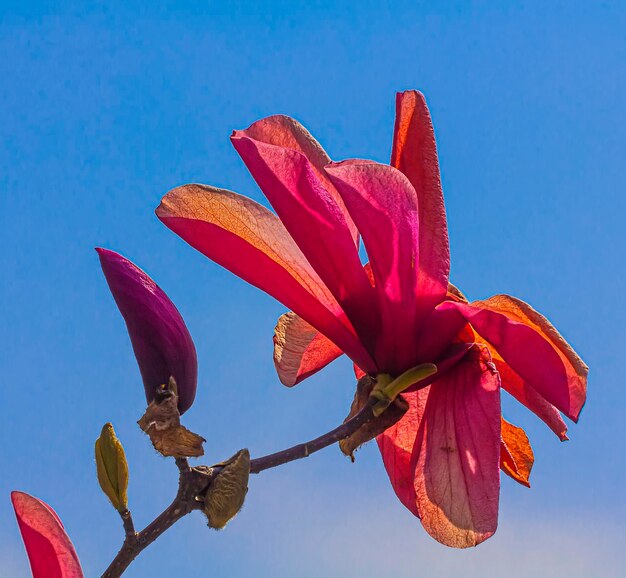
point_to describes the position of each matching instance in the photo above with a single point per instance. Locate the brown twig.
(194, 481)
(129, 525)
(306, 449)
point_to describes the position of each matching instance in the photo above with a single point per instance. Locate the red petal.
(516, 455)
(532, 353)
(526, 395)
(358, 372)
(396, 445)
(49, 548)
(288, 133)
(575, 369)
(300, 350)
(456, 456)
(317, 224)
(437, 331)
(415, 154)
(249, 240)
(383, 204)
(445, 362)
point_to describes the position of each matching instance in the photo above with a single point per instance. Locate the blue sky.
(104, 109)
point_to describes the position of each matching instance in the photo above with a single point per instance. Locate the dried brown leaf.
(161, 422)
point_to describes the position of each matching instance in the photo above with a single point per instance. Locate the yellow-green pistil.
(387, 388)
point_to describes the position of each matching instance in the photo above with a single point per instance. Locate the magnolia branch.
(194, 481)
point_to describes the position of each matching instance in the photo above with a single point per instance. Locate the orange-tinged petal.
(455, 294)
(456, 456)
(516, 455)
(300, 350)
(513, 384)
(250, 241)
(288, 133)
(317, 224)
(415, 154)
(49, 548)
(575, 368)
(530, 352)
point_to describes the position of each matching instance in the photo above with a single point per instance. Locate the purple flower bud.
(160, 338)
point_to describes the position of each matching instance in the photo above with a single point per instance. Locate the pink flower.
(395, 313)
(49, 548)
(160, 339)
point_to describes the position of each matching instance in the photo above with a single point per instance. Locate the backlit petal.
(160, 339)
(528, 396)
(513, 384)
(415, 154)
(396, 445)
(575, 368)
(250, 241)
(530, 352)
(448, 359)
(49, 548)
(455, 294)
(300, 350)
(317, 224)
(286, 132)
(383, 204)
(437, 332)
(516, 455)
(456, 456)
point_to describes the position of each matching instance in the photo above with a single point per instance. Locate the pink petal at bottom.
(49, 548)
(456, 456)
(396, 445)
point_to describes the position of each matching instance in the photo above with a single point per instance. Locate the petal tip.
(16, 495)
(169, 200)
(104, 252)
(412, 92)
(237, 135)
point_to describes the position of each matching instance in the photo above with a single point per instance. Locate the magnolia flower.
(393, 314)
(49, 548)
(161, 342)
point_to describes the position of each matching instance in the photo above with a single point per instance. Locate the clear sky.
(104, 109)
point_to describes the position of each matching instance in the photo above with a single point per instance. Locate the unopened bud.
(112, 467)
(228, 490)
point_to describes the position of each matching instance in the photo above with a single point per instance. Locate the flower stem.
(129, 525)
(194, 481)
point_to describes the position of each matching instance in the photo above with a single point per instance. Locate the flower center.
(387, 388)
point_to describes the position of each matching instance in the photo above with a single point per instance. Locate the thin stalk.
(194, 482)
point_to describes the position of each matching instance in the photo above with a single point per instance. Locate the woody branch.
(194, 481)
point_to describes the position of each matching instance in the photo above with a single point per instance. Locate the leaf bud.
(112, 467)
(227, 492)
